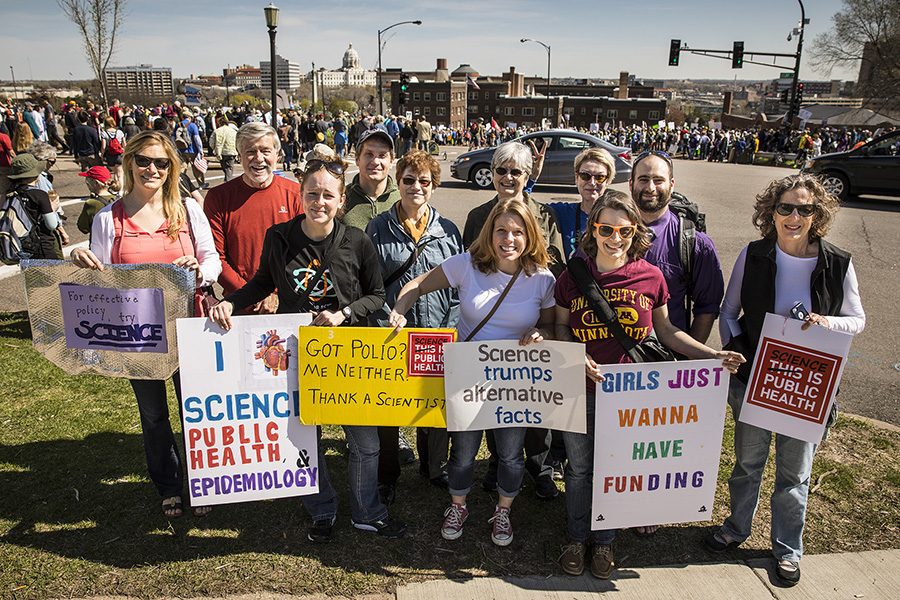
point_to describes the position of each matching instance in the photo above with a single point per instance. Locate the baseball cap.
(99, 173)
(372, 133)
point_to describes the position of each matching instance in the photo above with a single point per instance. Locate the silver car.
(559, 160)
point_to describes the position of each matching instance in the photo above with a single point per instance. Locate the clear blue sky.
(587, 38)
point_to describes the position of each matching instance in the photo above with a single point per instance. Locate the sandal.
(787, 572)
(717, 543)
(646, 530)
(172, 507)
(202, 511)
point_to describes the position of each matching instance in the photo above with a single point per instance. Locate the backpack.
(690, 221)
(183, 139)
(115, 146)
(18, 230)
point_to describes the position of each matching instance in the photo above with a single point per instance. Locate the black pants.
(388, 460)
(433, 444)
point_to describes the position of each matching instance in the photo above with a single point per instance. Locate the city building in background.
(350, 73)
(143, 84)
(287, 74)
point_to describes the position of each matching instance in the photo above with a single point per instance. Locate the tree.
(98, 22)
(867, 33)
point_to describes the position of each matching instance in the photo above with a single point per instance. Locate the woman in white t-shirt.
(510, 248)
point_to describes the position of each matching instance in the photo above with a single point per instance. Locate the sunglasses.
(143, 162)
(335, 168)
(501, 171)
(625, 231)
(804, 210)
(585, 176)
(412, 181)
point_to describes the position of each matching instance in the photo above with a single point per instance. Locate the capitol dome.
(351, 58)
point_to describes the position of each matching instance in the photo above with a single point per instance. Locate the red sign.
(794, 380)
(426, 354)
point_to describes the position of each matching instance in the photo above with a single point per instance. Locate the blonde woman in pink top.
(150, 224)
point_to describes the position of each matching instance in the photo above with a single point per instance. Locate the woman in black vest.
(793, 215)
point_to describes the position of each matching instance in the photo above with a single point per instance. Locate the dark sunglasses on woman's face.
(804, 210)
(585, 176)
(143, 162)
(625, 231)
(412, 181)
(335, 168)
(501, 171)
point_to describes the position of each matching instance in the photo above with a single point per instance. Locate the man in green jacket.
(372, 191)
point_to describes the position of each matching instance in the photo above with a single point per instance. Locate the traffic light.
(799, 93)
(737, 56)
(784, 96)
(402, 97)
(674, 52)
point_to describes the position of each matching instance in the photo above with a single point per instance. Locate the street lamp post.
(380, 90)
(523, 40)
(272, 22)
(793, 106)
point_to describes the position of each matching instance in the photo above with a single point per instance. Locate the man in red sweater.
(241, 210)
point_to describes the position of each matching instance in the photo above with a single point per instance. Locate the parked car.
(873, 168)
(559, 160)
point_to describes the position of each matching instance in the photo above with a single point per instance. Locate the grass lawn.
(79, 517)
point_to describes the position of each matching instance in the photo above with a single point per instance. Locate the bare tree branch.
(98, 22)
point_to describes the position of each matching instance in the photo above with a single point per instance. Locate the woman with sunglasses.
(615, 240)
(509, 253)
(321, 266)
(411, 239)
(792, 262)
(152, 223)
(595, 168)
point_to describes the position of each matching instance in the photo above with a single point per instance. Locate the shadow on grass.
(90, 500)
(15, 325)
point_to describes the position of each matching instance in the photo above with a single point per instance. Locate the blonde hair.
(173, 207)
(534, 257)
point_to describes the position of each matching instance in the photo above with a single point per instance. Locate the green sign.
(787, 75)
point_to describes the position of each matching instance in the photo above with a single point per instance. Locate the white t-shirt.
(478, 292)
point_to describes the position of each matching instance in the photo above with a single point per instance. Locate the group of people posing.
(373, 251)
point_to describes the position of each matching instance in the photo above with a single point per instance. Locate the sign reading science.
(794, 378)
(240, 404)
(657, 440)
(496, 384)
(372, 376)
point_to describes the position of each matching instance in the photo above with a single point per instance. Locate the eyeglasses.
(412, 181)
(143, 162)
(501, 171)
(585, 176)
(51, 162)
(625, 231)
(804, 210)
(335, 168)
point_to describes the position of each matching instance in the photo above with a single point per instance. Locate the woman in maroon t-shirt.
(615, 240)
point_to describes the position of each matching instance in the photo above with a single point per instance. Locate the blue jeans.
(793, 464)
(365, 505)
(464, 448)
(580, 482)
(163, 460)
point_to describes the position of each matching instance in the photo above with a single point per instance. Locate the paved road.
(866, 228)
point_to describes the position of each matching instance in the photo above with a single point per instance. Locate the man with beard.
(652, 182)
(241, 210)
(372, 190)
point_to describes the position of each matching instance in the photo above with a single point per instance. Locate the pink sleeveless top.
(133, 245)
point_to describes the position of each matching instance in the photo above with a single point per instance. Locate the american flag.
(471, 82)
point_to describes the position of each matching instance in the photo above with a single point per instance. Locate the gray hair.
(41, 151)
(515, 154)
(254, 131)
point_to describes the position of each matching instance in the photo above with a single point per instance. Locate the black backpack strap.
(687, 238)
(590, 289)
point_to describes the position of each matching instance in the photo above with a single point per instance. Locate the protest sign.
(497, 384)
(372, 376)
(794, 378)
(657, 440)
(118, 322)
(242, 433)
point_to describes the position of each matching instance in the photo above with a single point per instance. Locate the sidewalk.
(873, 575)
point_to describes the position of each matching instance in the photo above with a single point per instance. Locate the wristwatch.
(346, 312)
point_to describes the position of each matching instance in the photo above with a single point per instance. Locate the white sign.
(240, 403)
(657, 441)
(498, 384)
(794, 378)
